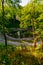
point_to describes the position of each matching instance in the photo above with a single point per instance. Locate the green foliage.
(10, 12)
(17, 56)
(32, 15)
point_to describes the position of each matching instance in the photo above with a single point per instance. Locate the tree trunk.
(4, 32)
(42, 43)
(5, 39)
(34, 36)
(35, 40)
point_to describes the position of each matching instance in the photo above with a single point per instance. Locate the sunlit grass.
(21, 54)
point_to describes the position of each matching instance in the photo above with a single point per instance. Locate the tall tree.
(3, 23)
(29, 15)
(13, 3)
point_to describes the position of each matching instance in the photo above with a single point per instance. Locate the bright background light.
(24, 2)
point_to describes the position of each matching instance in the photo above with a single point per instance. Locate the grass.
(21, 55)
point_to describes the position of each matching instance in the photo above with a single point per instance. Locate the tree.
(29, 15)
(3, 23)
(40, 18)
(12, 3)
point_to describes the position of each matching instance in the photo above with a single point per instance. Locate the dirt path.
(15, 43)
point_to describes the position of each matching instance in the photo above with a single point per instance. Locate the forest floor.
(21, 55)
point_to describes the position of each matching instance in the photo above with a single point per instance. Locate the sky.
(24, 2)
